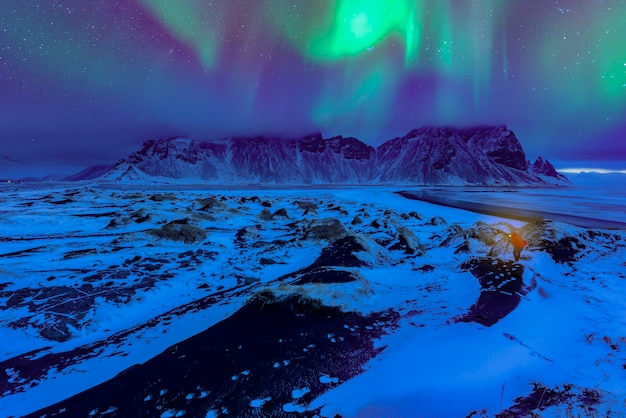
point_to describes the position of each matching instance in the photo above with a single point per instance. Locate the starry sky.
(85, 82)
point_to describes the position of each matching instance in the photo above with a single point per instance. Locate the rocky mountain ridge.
(484, 155)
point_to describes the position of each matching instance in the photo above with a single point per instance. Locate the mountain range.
(484, 155)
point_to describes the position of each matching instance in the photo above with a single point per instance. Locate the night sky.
(85, 82)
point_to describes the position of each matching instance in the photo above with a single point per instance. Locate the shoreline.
(525, 215)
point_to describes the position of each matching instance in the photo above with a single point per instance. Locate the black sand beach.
(526, 215)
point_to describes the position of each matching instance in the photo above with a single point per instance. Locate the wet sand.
(525, 215)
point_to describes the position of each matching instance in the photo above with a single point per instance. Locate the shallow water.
(598, 201)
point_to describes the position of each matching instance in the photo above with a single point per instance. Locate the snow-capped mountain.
(306, 160)
(543, 168)
(430, 156)
(480, 155)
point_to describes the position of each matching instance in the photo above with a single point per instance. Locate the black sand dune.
(246, 365)
(501, 289)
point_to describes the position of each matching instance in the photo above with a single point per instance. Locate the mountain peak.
(544, 168)
(479, 155)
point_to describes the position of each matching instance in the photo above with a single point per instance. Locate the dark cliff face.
(498, 143)
(312, 144)
(262, 159)
(173, 157)
(351, 148)
(490, 155)
(348, 148)
(307, 160)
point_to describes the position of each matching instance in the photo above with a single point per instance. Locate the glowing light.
(575, 170)
(194, 28)
(354, 27)
(361, 26)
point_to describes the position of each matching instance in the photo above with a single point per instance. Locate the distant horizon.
(570, 165)
(574, 166)
(40, 169)
(589, 170)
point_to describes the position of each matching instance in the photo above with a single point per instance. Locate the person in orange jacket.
(518, 244)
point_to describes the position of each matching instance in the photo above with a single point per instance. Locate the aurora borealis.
(85, 82)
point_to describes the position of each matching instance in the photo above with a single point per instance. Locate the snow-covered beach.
(428, 305)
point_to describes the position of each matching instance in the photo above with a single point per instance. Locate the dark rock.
(162, 197)
(140, 216)
(437, 221)
(61, 202)
(113, 223)
(247, 280)
(211, 204)
(266, 215)
(462, 248)
(325, 229)
(58, 332)
(254, 199)
(408, 242)
(339, 209)
(17, 297)
(133, 260)
(307, 206)
(266, 261)
(426, 268)
(563, 250)
(281, 212)
(246, 233)
(180, 230)
(540, 398)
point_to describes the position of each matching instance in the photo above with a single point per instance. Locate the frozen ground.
(318, 301)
